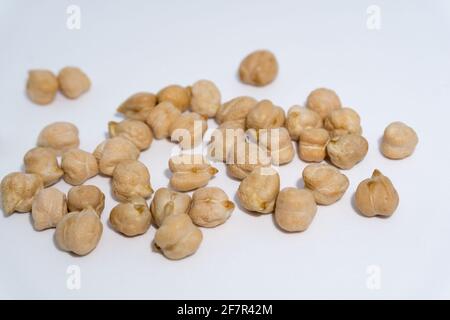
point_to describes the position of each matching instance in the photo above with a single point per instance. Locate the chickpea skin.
(161, 117)
(132, 218)
(399, 141)
(190, 172)
(301, 118)
(188, 130)
(323, 101)
(346, 151)
(177, 95)
(48, 208)
(59, 136)
(131, 179)
(84, 197)
(138, 106)
(312, 144)
(18, 190)
(42, 86)
(134, 130)
(265, 116)
(259, 68)
(235, 110)
(295, 209)
(78, 166)
(167, 202)
(42, 161)
(205, 98)
(246, 157)
(343, 121)
(73, 82)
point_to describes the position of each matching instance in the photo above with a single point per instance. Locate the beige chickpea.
(132, 218)
(73, 82)
(343, 121)
(59, 136)
(246, 157)
(210, 207)
(167, 202)
(78, 166)
(327, 184)
(235, 110)
(312, 144)
(188, 130)
(399, 141)
(161, 117)
(178, 237)
(180, 97)
(278, 143)
(138, 106)
(223, 140)
(18, 190)
(79, 232)
(131, 179)
(301, 118)
(347, 150)
(376, 196)
(259, 190)
(134, 130)
(205, 98)
(323, 101)
(190, 172)
(295, 209)
(113, 151)
(264, 115)
(42, 86)
(48, 208)
(43, 161)
(259, 68)
(86, 196)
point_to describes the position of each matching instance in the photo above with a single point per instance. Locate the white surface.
(400, 72)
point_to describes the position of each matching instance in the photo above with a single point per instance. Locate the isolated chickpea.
(235, 110)
(223, 140)
(295, 209)
(178, 237)
(259, 190)
(78, 166)
(42, 86)
(138, 106)
(180, 97)
(113, 151)
(167, 202)
(343, 121)
(265, 116)
(323, 101)
(312, 144)
(161, 117)
(79, 232)
(246, 157)
(376, 196)
(301, 118)
(43, 162)
(259, 68)
(131, 179)
(48, 208)
(59, 136)
(188, 130)
(190, 172)
(205, 98)
(399, 141)
(327, 184)
(132, 218)
(278, 143)
(84, 197)
(210, 207)
(134, 130)
(73, 82)
(346, 151)
(18, 190)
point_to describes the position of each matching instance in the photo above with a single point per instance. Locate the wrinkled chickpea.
(223, 140)
(278, 144)
(264, 115)
(79, 232)
(167, 202)
(376, 196)
(259, 68)
(178, 237)
(327, 184)
(246, 157)
(42, 161)
(188, 130)
(180, 97)
(134, 130)
(73, 82)
(399, 141)
(235, 110)
(210, 207)
(323, 101)
(343, 121)
(138, 106)
(59, 136)
(301, 118)
(84, 197)
(48, 208)
(312, 144)
(190, 172)
(205, 98)
(347, 150)
(295, 209)
(161, 117)
(131, 179)
(132, 218)
(42, 86)
(18, 190)
(78, 166)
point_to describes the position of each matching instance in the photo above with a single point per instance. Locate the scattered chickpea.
(190, 172)
(188, 130)
(312, 144)
(167, 202)
(264, 115)
(259, 68)
(138, 106)
(223, 141)
(78, 166)
(161, 118)
(131, 179)
(301, 118)
(84, 197)
(343, 121)
(346, 151)
(18, 190)
(399, 141)
(59, 136)
(48, 208)
(42, 161)
(295, 209)
(42, 86)
(235, 110)
(323, 101)
(73, 82)
(134, 130)
(246, 157)
(180, 97)
(278, 144)
(132, 218)
(205, 98)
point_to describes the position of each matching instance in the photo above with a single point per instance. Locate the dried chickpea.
(132, 218)
(246, 157)
(259, 68)
(376, 196)
(188, 130)
(295, 209)
(138, 106)
(180, 97)
(42, 161)
(264, 115)
(78, 166)
(48, 208)
(205, 98)
(343, 121)
(323, 101)
(86, 196)
(399, 141)
(235, 110)
(18, 190)
(73, 82)
(131, 179)
(301, 118)
(278, 143)
(59, 136)
(134, 130)
(161, 117)
(190, 172)
(42, 86)
(223, 140)
(167, 202)
(346, 151)
(312, 144)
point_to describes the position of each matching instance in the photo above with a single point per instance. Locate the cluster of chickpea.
(251, 137)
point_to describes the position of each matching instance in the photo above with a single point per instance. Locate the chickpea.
(246, 157)
(59, 136)
(210, 207)
(327, 184)
(346, 151)
(131, 179)
(42, 161)
(84, 197)
(323, 101)
(180, 97)
(259, 68)
(399, 141)
(138, 106)
(376, 196)
(190, 172)
(167, 202)
(343, 121)
(259, 190)
(48, 208)
(161, 118)
(301, 118)
(178, 237)
(113, 151)
(223, 140)
(73, 82)
(312, 144)
(132, 218)
(265, 116)
(278, 143)
(18, 190)
(188, 130)
(205, 98)
(134, 130)
(295, 209)
(79, 232)
(42, 86)
(78, 166)
(235, 110)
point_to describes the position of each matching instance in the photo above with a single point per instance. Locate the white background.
(400, 72)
